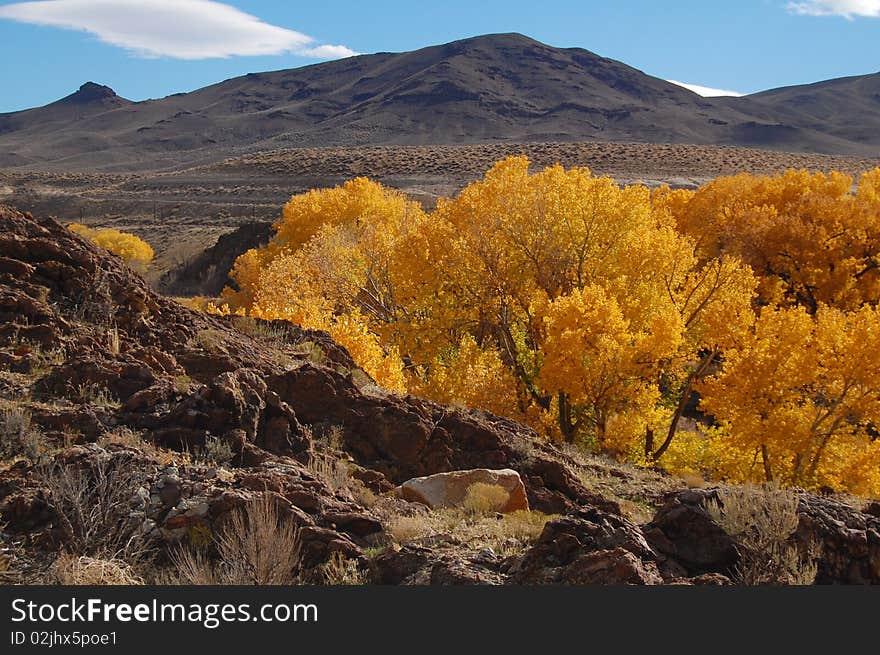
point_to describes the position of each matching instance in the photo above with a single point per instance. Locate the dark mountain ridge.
(503, 87)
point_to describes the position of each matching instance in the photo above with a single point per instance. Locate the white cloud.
(846, 8)
(705, 91)
(182, 29)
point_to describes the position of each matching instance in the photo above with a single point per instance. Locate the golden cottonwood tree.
(799, 399)
(136, 252)
(808, 237)
(507, 296)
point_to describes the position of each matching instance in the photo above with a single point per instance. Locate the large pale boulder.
(451, 489)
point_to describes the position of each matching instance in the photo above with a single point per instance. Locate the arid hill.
(132, 426)
(501, 87)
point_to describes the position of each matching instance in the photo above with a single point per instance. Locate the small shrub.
(362, 494)
(762, 521)
(341, 571)
(216, 451)
(46, 359)
(331, 439)
(256, 546)
(95, 394)
(182, 384)
(312, 351)
(485, 498)
(693, 480)
(211, 340)
(92, 507)
(273, 334)
(18, 438)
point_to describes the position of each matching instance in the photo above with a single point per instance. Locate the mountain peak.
(91, 92)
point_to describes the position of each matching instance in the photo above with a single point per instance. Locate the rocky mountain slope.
(502, 87)
(182, 417)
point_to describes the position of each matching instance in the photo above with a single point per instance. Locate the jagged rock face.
(589, 546)
(690, 541)
(850, 540)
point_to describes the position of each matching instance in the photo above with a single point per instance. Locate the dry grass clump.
(114, 343)
(364, 496)
(483, 498)
(195, 303)
(506, 534)
(256, 546)
(406, 529)
(312, 351)
(762, 521)
(340, 571)
(72, 570)
(95, 394)
(182, 383)
(332, 472)
(271, 333)
(216, 452)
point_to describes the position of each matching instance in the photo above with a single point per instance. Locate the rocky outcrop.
(687, 538)
(691, 543)
(849, 540)
(451, 489)
(183, 375)
(208, 272)
(588, 546)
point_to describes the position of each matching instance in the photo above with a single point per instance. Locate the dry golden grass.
(128, 438)
(482, 498)
(505, 534)
(72, 570)
(340, 571)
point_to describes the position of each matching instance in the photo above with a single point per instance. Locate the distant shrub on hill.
(134, 251)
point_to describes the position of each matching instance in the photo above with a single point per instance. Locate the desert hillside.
(486, 89)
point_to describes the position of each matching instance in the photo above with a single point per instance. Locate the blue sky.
(152, 48)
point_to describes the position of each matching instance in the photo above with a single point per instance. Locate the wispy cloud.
(182, 29)
(846, 8)
(706, 91)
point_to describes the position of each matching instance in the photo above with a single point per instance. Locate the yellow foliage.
(810, 238)
(593, 311)
(134, 251)
(799, 398)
